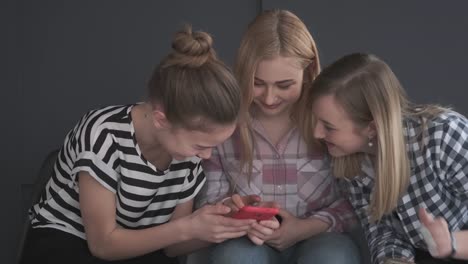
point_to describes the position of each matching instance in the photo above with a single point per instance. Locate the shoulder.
(443, 125)
(443, 137)
(448, 125)
(113, 113)
(116, 117)
(447, 118)
(97, 124)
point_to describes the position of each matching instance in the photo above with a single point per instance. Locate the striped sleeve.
(94, 147)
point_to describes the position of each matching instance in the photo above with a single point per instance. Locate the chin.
(179, 157)
(337, 153)
(274, 112)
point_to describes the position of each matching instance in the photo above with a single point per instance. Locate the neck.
(147, 137)
(281, 118)
(276, 127)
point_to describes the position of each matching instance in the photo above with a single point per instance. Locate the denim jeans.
(324, 248)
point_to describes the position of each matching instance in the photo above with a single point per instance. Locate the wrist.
(185, 229)
(453, 244)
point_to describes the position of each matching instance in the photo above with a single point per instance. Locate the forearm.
(461, 238)
(383, 241)
(307, 228)
(124, 243)
(388, 246)
(339, 214)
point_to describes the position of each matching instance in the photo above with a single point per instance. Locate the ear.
(310, 72)
(371, 129)
(159, 119)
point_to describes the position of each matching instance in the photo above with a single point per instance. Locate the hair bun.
(191, 49)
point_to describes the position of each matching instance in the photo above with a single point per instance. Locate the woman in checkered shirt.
(404, 166)
(277, 61)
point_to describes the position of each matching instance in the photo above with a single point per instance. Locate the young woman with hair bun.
(124, 181)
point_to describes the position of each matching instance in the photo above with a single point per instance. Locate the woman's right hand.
(236, 202)
(259, 231)
(211, 224)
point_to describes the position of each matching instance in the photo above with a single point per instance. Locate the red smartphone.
(257, 213)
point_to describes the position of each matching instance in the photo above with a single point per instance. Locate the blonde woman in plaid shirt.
(277, 60)
(404, 166)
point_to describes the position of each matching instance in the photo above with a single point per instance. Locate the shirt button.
(279, 187)
(277, 156)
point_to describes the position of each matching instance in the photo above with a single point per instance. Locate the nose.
(319, 131)
(205, 154)
(269, 96)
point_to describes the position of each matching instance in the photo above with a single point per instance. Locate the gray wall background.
(63, 58)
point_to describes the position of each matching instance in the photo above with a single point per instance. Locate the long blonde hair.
(273, 33)
(368, 90)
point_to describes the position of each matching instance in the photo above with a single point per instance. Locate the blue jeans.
(324, 248)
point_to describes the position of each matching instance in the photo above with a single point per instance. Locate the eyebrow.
(327, 123)
(278, 82)
(204, 147)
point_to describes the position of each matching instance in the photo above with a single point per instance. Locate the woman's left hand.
(440, 233)
(288, 234)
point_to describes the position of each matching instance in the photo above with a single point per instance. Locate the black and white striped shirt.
(103, 144)
(438, 182)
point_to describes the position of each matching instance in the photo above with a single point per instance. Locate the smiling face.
(334, 126)
(277, 86)
(182, 143)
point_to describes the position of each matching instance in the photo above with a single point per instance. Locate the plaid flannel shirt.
(285, 173)
(439, 182)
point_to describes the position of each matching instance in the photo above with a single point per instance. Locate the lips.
(271, 106)
(329, 145)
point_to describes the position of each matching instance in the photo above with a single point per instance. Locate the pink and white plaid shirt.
(285, 173)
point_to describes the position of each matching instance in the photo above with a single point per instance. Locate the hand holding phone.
(257, 213)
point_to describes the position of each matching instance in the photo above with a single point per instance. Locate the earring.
(370, 144)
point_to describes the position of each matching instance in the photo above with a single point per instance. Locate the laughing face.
(182, 143)
(340, 134)
(277, 86)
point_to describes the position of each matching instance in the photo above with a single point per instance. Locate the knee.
(232, 251)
